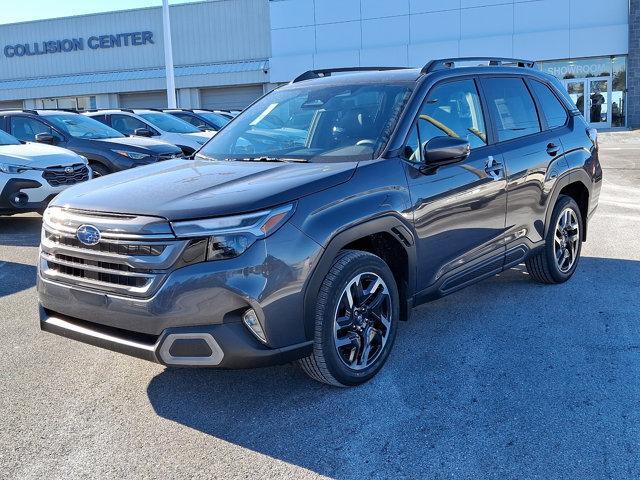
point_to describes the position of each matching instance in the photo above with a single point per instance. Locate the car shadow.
(505, 379)
(20, 231)
(15, 277)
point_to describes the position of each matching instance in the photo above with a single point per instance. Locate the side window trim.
(494, 121)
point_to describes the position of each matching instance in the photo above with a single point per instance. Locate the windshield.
(79, 126)
(168, 123)
(317, 123)
(6, 139)
(214, 119)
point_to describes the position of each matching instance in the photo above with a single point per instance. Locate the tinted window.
(512, 107)
(453, 109)
(26, 129)
(552, 109)
(126, 124)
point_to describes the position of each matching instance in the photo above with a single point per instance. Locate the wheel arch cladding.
(580, 194)
(388, 238)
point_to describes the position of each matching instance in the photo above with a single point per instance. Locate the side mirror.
(46, 138)
(443, 150)
(143, 132)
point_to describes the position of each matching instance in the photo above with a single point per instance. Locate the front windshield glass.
(6, 139)
(313, 123)
(217, 120)
(79, 126)
(168, 123)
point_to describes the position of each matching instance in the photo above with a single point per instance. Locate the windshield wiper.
(269, 159)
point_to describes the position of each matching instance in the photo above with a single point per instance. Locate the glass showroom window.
(72, 103)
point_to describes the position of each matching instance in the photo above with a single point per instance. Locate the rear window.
(512, 107)
(552, 109)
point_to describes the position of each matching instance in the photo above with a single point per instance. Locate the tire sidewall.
(561, 205)
(360, 264)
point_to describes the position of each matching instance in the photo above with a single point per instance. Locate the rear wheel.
(99, 170)
(356, 318)
(557, 261)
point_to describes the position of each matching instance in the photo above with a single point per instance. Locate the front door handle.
(493, 168)
(552, 149)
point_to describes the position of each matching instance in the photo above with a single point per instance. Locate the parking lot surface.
(506, 379)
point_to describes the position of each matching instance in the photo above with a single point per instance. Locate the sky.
(40, 9)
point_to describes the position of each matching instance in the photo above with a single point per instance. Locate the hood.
(187, 189)
(202, 136)
(38, 155)
(155, 146)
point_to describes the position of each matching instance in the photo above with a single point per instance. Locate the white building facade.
(583, 42)
(229, 52)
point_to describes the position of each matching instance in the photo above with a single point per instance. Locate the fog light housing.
(19, 199)
(250, 319)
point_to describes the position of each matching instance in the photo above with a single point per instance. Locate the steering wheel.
(365, 141)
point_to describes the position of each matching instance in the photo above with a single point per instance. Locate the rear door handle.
(493, 168)
(552, 149)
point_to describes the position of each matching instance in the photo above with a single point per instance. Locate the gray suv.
(309, 227)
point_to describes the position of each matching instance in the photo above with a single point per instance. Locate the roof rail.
(327, 72)
(70, 110)
(23, 110)
(443, 63)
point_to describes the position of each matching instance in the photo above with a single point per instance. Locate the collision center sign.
(95, 42)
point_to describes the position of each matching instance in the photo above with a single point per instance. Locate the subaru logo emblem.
(88, 234)
(68, 170)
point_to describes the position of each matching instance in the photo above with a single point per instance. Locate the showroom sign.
(97, 42)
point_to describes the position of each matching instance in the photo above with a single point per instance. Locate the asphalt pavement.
(505, 379)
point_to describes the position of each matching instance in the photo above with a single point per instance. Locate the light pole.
(168, 55)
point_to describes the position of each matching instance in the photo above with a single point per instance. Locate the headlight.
(8, 168)
(131, 155)
(231, 236)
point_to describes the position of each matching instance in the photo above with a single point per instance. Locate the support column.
(633, 66)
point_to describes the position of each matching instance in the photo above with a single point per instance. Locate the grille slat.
(58, 176)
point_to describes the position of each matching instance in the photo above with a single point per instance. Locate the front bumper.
(205, 299)
(21, 195)
(223, 346)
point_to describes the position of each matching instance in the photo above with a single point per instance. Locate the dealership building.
(228, 52)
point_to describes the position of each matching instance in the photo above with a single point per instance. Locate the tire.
(99, 170)
(372, 311)
(543, 266)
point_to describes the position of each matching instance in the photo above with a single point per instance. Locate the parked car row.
(44, 151)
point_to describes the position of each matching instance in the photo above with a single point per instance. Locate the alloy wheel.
(566, 240)
(362, 320)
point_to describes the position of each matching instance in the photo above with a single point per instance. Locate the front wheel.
(356, 317)
(557, 261)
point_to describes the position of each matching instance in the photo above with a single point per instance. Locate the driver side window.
(451, 109)
(126, 124)
(26, 129)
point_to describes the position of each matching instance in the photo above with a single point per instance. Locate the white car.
(31, 174)
(156, 124)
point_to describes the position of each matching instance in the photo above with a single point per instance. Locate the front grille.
(133, 257)
(108, 247)
(58, 176)
(108, 273)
